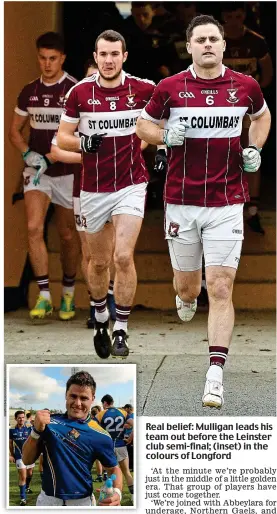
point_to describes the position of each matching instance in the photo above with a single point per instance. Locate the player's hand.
(160, 161)
(31, 158)
(91, 144)
(41, 168)
(11, 458)
(42, 418)
(175, 135)
(112, 501)
(251, 159)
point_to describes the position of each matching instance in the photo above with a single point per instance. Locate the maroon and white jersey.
(43, 103)
(207, 169)
(114, 112)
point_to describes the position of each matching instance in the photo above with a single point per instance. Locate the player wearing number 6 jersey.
(104, 109)
(206, 185)
(114, 420)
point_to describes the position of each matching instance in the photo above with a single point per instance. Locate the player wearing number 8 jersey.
(205, 185)
(104, 109)
(114, 420)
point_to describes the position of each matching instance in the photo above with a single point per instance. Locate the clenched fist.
(42, 419)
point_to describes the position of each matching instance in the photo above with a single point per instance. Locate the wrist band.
(39, 432)
(34, 434)
(255, 147)
(116, 490)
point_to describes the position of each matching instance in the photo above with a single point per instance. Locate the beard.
(110, 77)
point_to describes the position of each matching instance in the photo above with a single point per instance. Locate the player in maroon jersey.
(41, 103)
(104, 108)
(76, 159)
(206, 185)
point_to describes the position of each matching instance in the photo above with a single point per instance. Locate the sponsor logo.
(232, 96)
(47, 96)
(173, 229)
(112, 124)
(33, 99)
(186, 94)
(131, 101)
(111, 98)
(74, 434)
(212, 121)
(45, 118)
(237, 259)
(236, 231)
(94, 102)
(209, 92)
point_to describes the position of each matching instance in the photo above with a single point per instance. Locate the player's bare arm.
(149, 132)
(64, 156)
(259, 129)
(32, 447)
(15, 133)
(115, 499)
(12, 459)
(65, 137)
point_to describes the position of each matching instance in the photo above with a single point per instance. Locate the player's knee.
(35, 230)
(100, 266)
(123, 259)
(219, 289)
(188, 292)
(67, 235)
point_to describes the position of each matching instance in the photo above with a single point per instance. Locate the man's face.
(50, 62)
(206, 46)
(109, 58)
(143, 16)
(20, 420)
(234, 19)
(78, 401)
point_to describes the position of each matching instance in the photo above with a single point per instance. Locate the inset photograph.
(71, 435)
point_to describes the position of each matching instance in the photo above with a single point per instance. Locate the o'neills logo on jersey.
(232, 96)
(45, 118)
(131, 101)
(212, 121)
(122, 123)
(209, 92)
(111, 98)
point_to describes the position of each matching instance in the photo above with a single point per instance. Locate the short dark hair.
(18, 412)
(82, 379)
(128, 406)
(203, 19)
(143, 4)
(107, 398)
(111, 35)
(89, 62)
(232, 6)
(50, 40)
(28, 415)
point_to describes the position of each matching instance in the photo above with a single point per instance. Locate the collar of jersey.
(88, 418)
(191, 68)
(123, 77)
(54, 83)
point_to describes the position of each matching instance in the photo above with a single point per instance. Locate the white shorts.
(98, 208)
(77, 214)
(20, 464)
(190, 230)
(121, 453)
(59, 189)
(45, 500)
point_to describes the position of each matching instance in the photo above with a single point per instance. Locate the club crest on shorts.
(232, 96)
(173, 229)
(74, 434)
(131, 101)
(27, 180)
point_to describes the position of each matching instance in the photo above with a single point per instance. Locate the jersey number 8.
(112, 106)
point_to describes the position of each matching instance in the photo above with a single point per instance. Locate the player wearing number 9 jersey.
(114, 420)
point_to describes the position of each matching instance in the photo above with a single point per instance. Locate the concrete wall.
(23, 23)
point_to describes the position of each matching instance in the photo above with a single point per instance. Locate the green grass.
(36, 487)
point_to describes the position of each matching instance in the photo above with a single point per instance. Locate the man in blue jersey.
(70, 443)
(129, 435)
(17, 437)
(113, 420)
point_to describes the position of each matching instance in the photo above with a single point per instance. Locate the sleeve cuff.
(146, 116)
